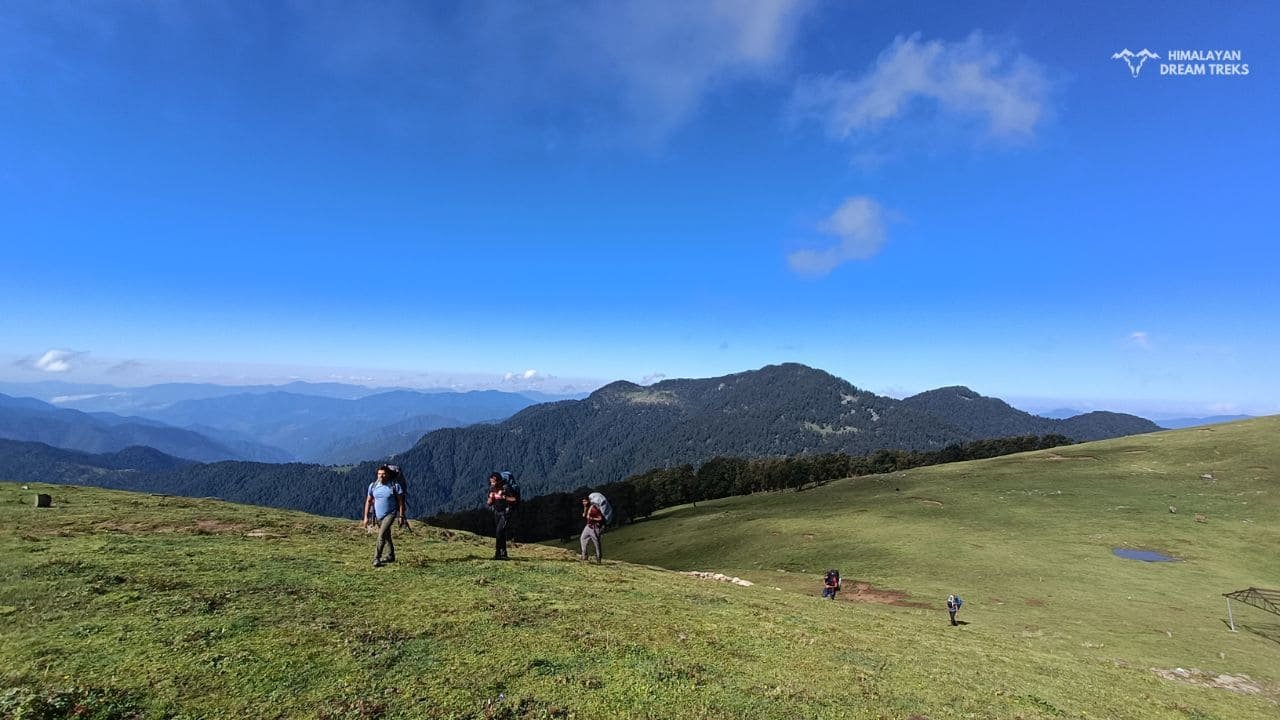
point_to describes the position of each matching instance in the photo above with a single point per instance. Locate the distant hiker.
(953, 606)
(502, 500)
(594, 518)
(386, 499)
(831, 584)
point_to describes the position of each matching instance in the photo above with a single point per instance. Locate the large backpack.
(509, 481)
(833, 578)
(600, 501)
(397, 475)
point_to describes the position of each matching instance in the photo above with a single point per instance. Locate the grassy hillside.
(124, 605)
(1027, 540)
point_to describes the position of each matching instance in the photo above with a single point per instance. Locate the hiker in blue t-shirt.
(386, 499)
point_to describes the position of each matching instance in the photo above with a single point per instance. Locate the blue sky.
(552, 195)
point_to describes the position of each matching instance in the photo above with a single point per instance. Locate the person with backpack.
(831, 584)
(953, 606)
(385, 498)
(594, 517)
(502, 499)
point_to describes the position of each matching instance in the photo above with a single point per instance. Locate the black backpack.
(397, 475)
(833, 575)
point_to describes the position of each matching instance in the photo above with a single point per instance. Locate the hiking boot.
(378, 563)
(389, 560)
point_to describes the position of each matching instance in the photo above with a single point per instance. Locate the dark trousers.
(384, 537)
(500, 535)
(952, 613)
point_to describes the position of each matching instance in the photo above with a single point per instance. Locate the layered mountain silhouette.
(311, 422)
(623, 428)
(27, 419)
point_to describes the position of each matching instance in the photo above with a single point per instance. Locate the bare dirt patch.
(1242, 684)
(200, 527)
(858, 591)
(1056, 456)
(136, 528)
(218, 526)
(1035, 602)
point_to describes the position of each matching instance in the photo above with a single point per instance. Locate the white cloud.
(642, 67)
(859, 228)
(1141, 339)
(633, 68)
(973, 79)
(56, 361)
(666, 56)
(530, 376)
(652, 378)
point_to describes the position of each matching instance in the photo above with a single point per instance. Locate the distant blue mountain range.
(331, 423)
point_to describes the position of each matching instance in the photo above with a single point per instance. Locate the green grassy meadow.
(1027, 541)
(117, 605)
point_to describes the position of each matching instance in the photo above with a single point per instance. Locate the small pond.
(1143, 555)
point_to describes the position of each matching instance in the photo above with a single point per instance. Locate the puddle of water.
(1143, 555)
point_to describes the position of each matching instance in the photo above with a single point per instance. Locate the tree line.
(558, 514)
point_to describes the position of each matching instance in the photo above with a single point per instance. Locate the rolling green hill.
(1027, 541)
(118, 605)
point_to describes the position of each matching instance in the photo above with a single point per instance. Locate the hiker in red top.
(594, 518)
(502, 500)
(831, 584)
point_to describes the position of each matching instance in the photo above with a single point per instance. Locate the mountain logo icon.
(1135, 60)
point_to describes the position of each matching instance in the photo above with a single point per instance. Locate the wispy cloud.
(859, 228)
(634, 68)
(1141, 339)
(652, 378)
(639, 67)
(55, 361)
(125, 367)
(975, 79)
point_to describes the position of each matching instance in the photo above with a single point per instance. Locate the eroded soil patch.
(858, 591)
(1235, 683)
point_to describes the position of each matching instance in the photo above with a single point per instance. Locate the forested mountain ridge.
(789, 409)
(623, 429)
(987, 417)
